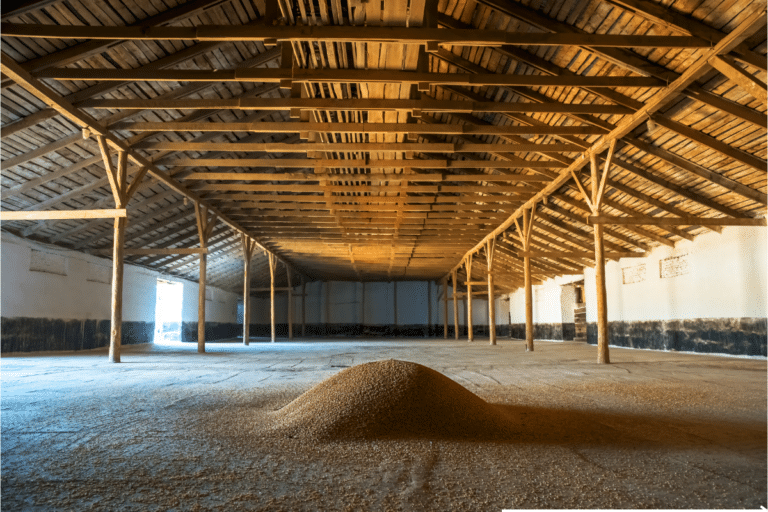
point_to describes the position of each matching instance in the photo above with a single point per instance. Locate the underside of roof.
(372, 141)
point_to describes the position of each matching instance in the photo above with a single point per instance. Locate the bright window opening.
(168, 312)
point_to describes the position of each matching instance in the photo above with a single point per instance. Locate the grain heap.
(391, 399)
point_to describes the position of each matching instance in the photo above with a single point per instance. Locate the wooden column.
(445, 308)
(116, 318)
(490, 248)
(602, 305)
(122, 193)
(272, 262)
(303, 306)
(248, 248)
(205, 224)
(290, 302)
(594, 202)
(525, 239)
(455, 306)
(468, 266)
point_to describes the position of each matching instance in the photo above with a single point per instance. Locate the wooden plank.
(338, 34)
(8, 216)
(675, 221)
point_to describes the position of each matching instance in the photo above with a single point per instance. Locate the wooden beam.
(306, 127)
(753, 21)
(686, 131)
(749, 83)
(14, 9)
(578, 254)
(41, 151)
(358, 163)
(333, 34)
(344, 76)
(668, 17)
(675, 221)
(87, 49)
(415, 189)
(335, 105)
(8, 216)
(164, 251)
(314, 147)
(64, 107)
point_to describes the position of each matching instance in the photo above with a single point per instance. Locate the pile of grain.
(391, 399)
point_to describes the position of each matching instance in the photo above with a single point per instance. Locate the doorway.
(168, 312)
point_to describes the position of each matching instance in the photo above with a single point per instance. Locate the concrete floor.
(169, 429)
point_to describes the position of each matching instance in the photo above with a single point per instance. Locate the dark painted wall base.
(222, 331)
(546, 331)
(738, 336)
(21, 334)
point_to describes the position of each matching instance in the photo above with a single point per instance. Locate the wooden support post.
(490, 248)
(122, 193)
(205, 224)
(272, 263)
(116, 319)
(290, 302)
(445, 308)
(201, 303)
(528, 304)
(303, 306)
(595, 205)
(248, 248)
(602, 304)
(455, 307)
(470, 330)
(525, 239)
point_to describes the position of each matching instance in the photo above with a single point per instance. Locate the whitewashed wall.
(551, 301)
(78, 296)
(726, 278)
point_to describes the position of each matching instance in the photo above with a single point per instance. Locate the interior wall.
(712, 297)
(552, 316)
(65, 304)
(347, 307)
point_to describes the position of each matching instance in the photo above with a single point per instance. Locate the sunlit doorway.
(168, 312)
